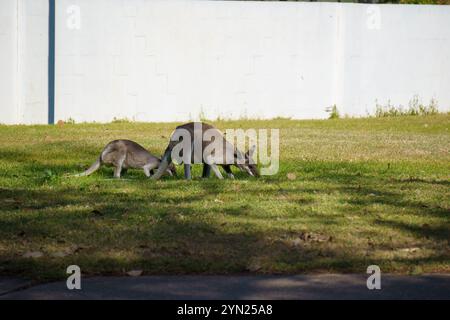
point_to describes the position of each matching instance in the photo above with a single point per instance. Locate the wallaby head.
(172, 169)
(249, 164)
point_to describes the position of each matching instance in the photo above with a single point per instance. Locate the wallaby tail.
(165, 162)
(94, 167)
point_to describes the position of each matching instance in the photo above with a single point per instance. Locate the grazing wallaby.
(124, 154)
(219, 158)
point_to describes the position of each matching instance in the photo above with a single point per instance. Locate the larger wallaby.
(219, 158)
(124, 154)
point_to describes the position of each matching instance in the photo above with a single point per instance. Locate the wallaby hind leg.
(187, 171)
(216, 171)
(206, 171)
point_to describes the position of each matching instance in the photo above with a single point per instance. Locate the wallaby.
(219, 159)
(124, 154)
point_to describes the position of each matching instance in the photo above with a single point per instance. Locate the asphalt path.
(202, 287)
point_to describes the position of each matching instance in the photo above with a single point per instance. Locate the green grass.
(365, 191)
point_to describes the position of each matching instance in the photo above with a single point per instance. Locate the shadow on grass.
(164, 232)
(164, 239)
(441, 232)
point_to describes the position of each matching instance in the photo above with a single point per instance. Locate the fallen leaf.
(291, 176)
(218, 201)
(73, 249)
(134, 273)
(59, 254)
(417, 270)
(254, 266)
(33, 254)
(314, 237)
(410, 250)
(297, 242)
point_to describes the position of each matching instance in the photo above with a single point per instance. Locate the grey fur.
(124, 154)
(251, 169)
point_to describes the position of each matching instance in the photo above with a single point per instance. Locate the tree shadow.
(161, 231)
(441, 232)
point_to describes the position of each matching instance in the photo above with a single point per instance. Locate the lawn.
(349, 193)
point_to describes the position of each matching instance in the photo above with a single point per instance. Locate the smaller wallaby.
(124, 154)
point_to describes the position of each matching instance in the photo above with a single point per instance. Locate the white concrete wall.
(169, 60)
(23, 61)
(8, 62)
(173, 60)
(409, 54)
(33, 58)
